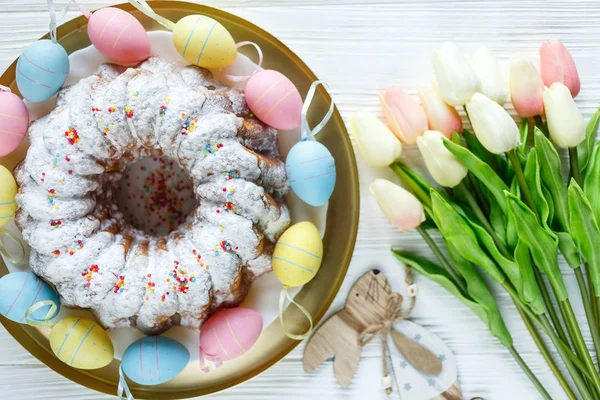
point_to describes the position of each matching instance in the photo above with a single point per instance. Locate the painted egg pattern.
(118, 35)
(81, 343)
(310, 169)
(298, 254)
(274, 99)
(230, 333)
(154, 360)
(21, 290)
(42, 70)
(14, 120)
(204, 42)
(8, 192)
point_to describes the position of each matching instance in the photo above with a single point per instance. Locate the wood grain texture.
(360, 48)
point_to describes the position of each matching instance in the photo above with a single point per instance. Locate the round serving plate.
(339, 239)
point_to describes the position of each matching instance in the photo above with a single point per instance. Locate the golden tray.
(342, 222)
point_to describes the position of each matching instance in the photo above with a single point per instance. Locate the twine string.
(305, 130)
(285, 295)
(242, 78)
(144, 8)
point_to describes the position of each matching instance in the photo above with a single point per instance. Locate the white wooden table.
(359, 49)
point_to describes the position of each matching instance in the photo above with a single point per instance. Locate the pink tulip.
(557, 65)
(405, 117)
(526, 87)
(441, 116)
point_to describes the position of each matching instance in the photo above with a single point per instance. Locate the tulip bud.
(377, 144)
(526, 87)
(493, 126)
(441, 116)
(399, 206)
(405, 117)
(565, 122)
(557, 65)
(492, 81)
(454, 74)
(443, 166)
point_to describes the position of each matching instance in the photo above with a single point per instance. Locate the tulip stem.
(550, 306)
(528, 372)
(540, 124)
(514, 160)
(479, 194)
(587, 305)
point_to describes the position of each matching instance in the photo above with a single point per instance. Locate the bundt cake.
(70, 181)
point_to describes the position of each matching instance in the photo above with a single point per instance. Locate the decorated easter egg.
(298, 253)
(204, 42)
(274, 99)
(21, 290)
(8, 192)
(154, 360)
(14, 119)
(230, 333)
(310, 169)
(81, 343)
(118, 35)
(42, 70)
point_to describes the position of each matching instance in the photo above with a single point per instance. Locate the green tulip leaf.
(591, 183)
(498, 220)
(524, 136)
(542, 245)
(530, 292)
(584, 149)
(415, 183)
(479, 299)
(585, 231)
(568, 248)
(532, 177)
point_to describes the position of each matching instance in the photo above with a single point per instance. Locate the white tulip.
(443, 166)
(493, 126)
(455, 77)
(492, 80)
(377, 144)
(399, 206)
(565, 122)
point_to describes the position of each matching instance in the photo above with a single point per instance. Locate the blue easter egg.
(21, 290)
(310, 170)
(42, 70)
(154, 360)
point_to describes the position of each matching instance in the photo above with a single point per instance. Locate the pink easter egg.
(14, 120)
(274, 99)
(118, 35)
(229, 333)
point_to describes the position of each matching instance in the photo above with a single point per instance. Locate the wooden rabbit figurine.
(339, 335)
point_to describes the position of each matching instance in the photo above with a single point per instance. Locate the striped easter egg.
(21, 290)
(154, 360)
(8, 192)
(298, 254)
(118, 35)
(81, 343)
(14, 120)
(42, 70)
(310, 169)
(204, 42)
(274, 99)
(229, 333)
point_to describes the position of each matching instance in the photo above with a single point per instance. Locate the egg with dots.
(204, 42)
(228, 334)
(118, 35)
(8, 192)
(19, 291)
(154, 360)
(274, 99)
(310, 169)
(14, 120)
(42, 70)
(81, 343)
(298, 254)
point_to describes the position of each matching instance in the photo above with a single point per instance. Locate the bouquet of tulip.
(504, 205)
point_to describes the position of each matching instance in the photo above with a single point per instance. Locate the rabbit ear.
(321, 344)
(419, 357)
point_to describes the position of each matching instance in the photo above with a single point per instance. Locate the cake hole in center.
(155, 195)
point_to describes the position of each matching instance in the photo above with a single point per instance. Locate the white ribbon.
(54, 19)
(4, 89)
(122, 387)
(14, 238)
(305, 130)
(242, 78)
(143, 6)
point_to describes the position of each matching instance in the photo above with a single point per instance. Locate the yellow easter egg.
(298, 254)
(204, 42)
(81, 343)
(8, 191)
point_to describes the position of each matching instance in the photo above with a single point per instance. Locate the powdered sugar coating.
(68, 183)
